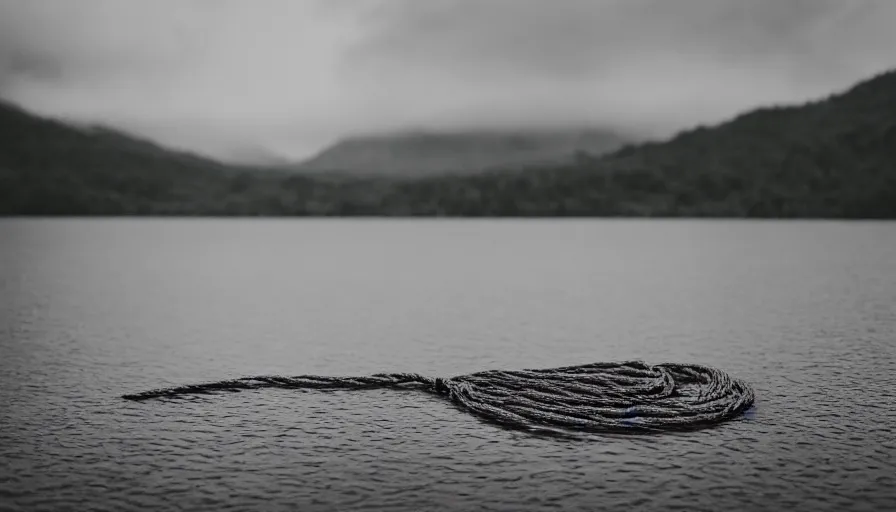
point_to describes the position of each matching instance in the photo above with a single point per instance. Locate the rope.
(598, 397)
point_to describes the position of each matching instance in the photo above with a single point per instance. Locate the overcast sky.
(235, 77)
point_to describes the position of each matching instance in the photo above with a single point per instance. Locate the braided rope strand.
(599, 397)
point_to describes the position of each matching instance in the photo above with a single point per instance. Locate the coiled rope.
(598, 397)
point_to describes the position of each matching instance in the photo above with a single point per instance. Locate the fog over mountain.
(419, 154)
(831, 158)
(282, 79)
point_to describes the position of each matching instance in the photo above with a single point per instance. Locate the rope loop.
(598, 397)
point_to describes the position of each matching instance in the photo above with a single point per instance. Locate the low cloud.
(238, 77)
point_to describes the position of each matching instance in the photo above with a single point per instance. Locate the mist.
(262, 79)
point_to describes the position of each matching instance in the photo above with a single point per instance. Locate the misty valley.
(831, 158)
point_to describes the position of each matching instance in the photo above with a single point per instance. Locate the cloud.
(233, 76)
(637, 62)
(214, 73)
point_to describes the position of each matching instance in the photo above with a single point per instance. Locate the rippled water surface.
(91, 309)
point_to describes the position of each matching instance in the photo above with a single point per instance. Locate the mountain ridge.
(833, 157)
(427, 153)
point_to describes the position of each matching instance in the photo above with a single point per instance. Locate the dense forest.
(832, 158)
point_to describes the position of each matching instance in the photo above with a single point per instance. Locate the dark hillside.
(832, 158)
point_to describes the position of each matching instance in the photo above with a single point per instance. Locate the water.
(91, 309)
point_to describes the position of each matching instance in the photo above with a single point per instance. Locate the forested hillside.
(833, 158)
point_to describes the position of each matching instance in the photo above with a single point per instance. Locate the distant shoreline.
(829, 159)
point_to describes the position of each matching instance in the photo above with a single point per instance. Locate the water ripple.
(789, 308)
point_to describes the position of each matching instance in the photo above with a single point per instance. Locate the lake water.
(91, 309)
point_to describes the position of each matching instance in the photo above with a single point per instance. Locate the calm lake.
(92, 309)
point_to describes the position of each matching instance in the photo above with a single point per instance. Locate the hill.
(831, 158)
(52, 167)
(424, 154)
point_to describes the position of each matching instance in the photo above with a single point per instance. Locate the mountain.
(33, 141)
(423, 154)
(833, 158)
(830, 158)
(48, 166)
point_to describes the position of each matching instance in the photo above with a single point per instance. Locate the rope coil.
(599, 397)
